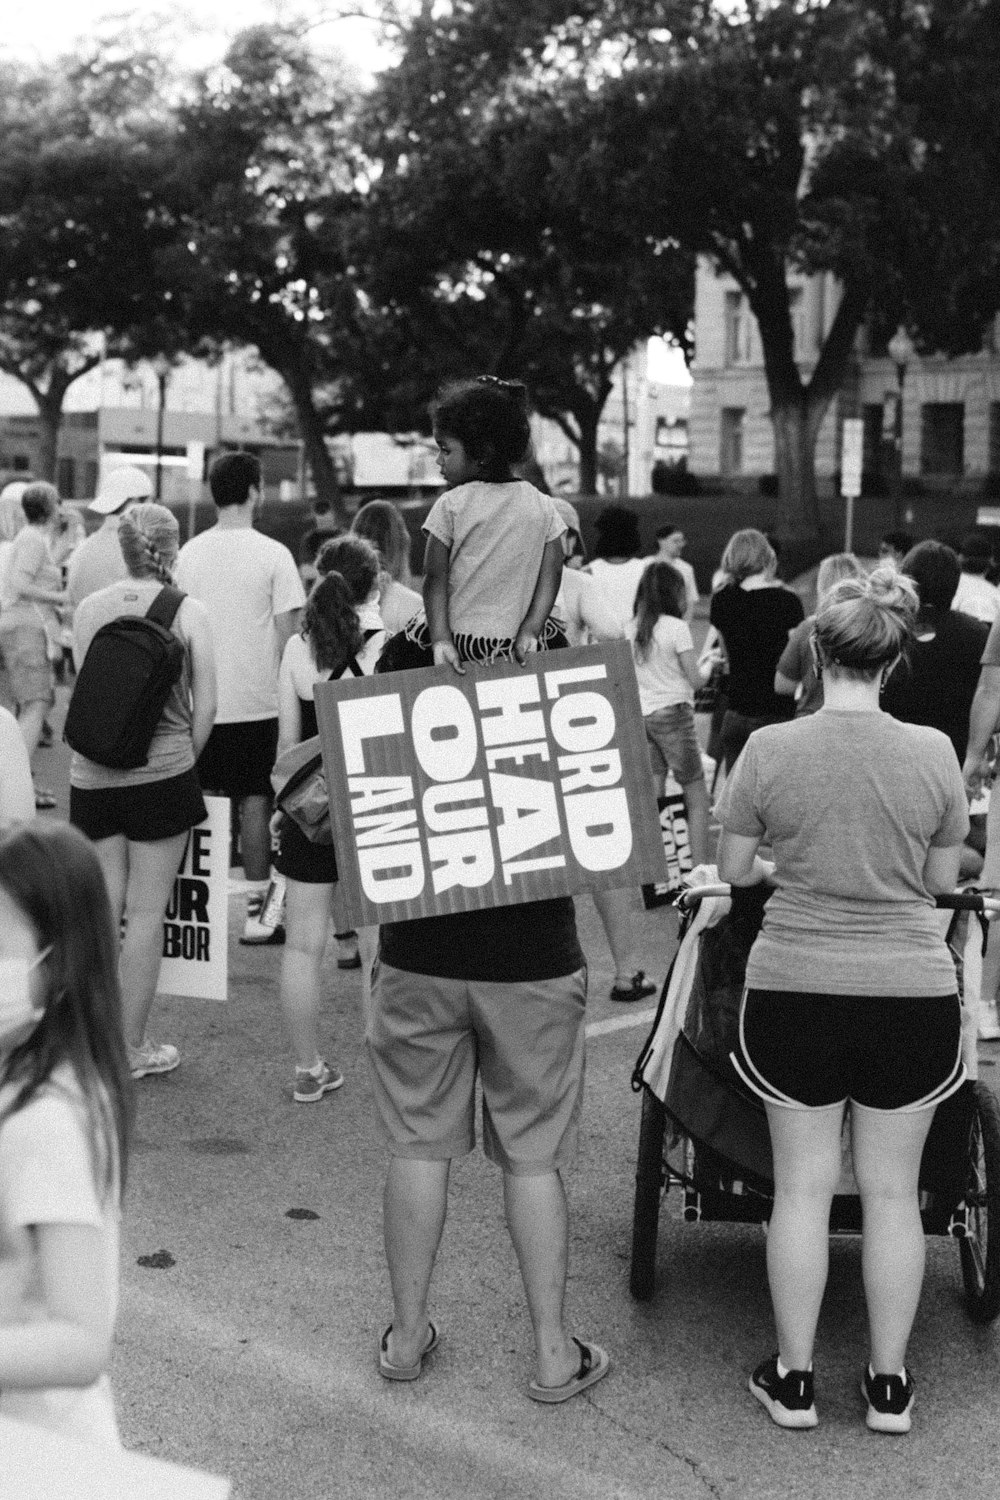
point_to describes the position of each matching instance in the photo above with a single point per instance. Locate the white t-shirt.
(398, 606)
(582, 610)
(617, 584)
(17, 795)
(299, 664)
(495, 535)
(47, 1177)
(975, 597)
(661, 679)
(244, 579)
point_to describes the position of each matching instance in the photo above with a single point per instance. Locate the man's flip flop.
(389, 1371)
(594, 1365)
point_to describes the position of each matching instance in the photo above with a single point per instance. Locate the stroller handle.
(977, 901)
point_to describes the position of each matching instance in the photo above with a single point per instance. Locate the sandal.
(44, 798)
(638, 988)
(594, 1365)
(389, 1371)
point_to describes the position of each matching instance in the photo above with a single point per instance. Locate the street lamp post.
(901, 350)
(161, 369)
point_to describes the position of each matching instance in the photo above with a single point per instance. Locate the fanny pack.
(299, 783)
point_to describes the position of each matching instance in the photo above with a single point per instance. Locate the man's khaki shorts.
(428, 1038)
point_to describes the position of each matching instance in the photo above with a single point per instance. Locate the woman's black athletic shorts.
(298, 858)
(890, 1052)
(237, 759)
(145, 814)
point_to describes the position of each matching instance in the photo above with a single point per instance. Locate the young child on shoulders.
(668, 672)
(65, 1116)
(494, 554)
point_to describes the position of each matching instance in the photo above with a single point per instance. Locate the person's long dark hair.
(331, 623)
(51, 873)
(661, 591)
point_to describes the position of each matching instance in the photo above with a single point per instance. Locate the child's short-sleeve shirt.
(662, 680)
(495, 535)
(47, 1177)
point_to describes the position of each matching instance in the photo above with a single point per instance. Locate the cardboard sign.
(196, 927)
(453, 793)
(676, 846)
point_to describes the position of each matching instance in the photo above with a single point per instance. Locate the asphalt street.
(254, 1291)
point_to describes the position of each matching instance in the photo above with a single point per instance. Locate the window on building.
(738, 350)
(20, 463)
(942, 437)
(89, 477)
(66, 478)
(994, 459)
(731, 440)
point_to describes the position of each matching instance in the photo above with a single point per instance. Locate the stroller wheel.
(650, 1175)
(980, 1249)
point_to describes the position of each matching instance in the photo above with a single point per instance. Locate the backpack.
(123, 685)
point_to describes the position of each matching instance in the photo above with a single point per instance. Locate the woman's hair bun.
(865, 623)
(893, 590)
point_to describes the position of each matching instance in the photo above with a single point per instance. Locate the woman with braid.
(139, 820)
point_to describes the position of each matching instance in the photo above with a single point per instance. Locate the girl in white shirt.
(667, 672)
(65, 1115)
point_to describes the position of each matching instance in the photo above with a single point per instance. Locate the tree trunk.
(49, 421)
(318, 457)
(588, 452)
(796, 426)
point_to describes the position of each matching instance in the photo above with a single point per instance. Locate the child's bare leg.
(696, 803)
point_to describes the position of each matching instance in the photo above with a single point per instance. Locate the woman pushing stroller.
(851, 998)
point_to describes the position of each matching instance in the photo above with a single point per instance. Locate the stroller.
(705, 1133)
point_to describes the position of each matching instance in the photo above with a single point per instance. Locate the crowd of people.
(842, 738)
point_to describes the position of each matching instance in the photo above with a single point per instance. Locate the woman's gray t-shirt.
(850, 803)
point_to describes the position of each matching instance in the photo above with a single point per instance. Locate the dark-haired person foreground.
(65, 1120)
(139, 819)
(851, 1000)
(251, 588)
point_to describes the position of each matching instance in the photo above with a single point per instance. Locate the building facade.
(950, 407)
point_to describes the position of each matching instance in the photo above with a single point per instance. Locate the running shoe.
(152, 1057)
(890, 1400)
(788, 1399)
(312, 1083)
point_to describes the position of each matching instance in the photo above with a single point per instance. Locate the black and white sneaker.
(890, 1400)
(789, 1398)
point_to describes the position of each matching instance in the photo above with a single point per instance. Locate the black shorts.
(145, 814)
(238, 759)
(887, 1052)
(298, 858)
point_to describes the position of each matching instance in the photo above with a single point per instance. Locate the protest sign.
(196, 926)
(676, 846)
(453, 793)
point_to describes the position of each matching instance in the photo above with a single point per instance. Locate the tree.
(771, 136)
(80, 146)
(476, 242)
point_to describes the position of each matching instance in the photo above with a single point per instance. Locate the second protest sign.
(453, 793)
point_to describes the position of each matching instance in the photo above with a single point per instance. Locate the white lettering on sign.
(392, 873)
(517, 753)
(438, 800)
(386, 827)
(367, 719)
(528, 810)
(583, 721)
(600, 830)
(464, 859)
(592, 768)
(370, 792)
(506, 718)
(443, 728)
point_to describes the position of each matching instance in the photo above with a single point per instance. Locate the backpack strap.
(165, 606)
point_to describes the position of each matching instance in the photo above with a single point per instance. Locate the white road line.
(620, 1023)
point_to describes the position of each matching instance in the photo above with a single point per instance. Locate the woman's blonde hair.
(863, 624)
(832, 569)
(748, 552)
(149, 537)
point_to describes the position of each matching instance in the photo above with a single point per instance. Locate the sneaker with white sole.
(263, 925)
(788, 1399)
(312, 1083)
(152, 1057)
(890, 1400)
(989, 1022)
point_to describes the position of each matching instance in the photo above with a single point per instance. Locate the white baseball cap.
(120, 486)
